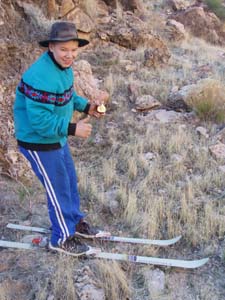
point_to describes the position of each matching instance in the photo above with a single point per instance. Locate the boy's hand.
(94, 112)
(83, 128)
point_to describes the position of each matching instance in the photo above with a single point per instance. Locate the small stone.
(222, 169)
(149, 156)
(202, 131)
(146, 103)
(164, 116)
(218, 151)
(155, 281)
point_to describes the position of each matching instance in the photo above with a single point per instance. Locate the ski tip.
(194, 264)
(93, 251)
(202, 262)
(103, 234)
(176, 239)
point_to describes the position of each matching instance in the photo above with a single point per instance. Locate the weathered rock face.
(175, 30)
(202, 24)
(85, 83)
(126, 4)
(131, 32)
(146, 103)
(180, 4)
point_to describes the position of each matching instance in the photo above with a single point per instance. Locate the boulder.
(180, 4)
(205, 90)
(85, 83)
(202, 24)
(164, 116)
(218, 151)
(131, 5)
(175, 30)
(146, 103)
(82, 20)
(66, 7)
(131, 32)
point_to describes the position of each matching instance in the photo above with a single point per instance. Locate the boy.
(44, 105)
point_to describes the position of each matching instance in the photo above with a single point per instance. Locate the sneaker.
(72, 246)
(83, 229)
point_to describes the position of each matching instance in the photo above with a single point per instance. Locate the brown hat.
(63, 32)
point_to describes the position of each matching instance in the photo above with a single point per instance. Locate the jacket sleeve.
(79, 103)
(44, 121)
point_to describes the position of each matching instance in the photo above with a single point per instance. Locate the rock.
(83, 21)
(131, 32)
(218, 151)
(176, 158)
(91, 292)
(202, 131)
(175, 30)
(202, 24)
(102, 10)
(87, 287)
(125, 4)
(66, 7)
(154, 57)
(179, 279)
(164, 116)
(190, 95)
(52, 8)
(222, 169)
(149, 156)
(9, 288)
(111, 204)
(146, 103)
(131, 68)
(180, 4)
(6, 261)
(177, 99)
(85, 83)
(220, 136)
(155, 280)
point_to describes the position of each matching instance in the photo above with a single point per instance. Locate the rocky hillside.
(153, 167)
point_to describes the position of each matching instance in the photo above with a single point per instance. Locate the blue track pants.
(55, 169)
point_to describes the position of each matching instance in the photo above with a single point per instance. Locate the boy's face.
(64, 52)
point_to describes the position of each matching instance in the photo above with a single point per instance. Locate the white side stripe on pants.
(51, 194)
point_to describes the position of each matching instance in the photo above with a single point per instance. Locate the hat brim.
(81, 42)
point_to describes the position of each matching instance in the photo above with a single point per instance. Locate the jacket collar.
(55, 62)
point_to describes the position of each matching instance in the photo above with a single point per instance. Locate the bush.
(208, 100)
(217, 7)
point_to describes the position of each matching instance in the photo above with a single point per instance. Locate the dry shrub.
(208, 100)
(114, 280)
(109, 173)
(131, 207)
(61, 284)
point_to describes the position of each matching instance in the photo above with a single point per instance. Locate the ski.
(106, 238)
(95, 253)
(30, 246)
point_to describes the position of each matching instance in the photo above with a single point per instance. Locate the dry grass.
(167, 195)
(61, 285)
(208, 100)
(113, 279)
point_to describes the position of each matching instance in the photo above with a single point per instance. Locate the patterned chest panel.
(45, 97)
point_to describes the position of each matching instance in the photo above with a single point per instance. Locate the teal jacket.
(44, 104)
